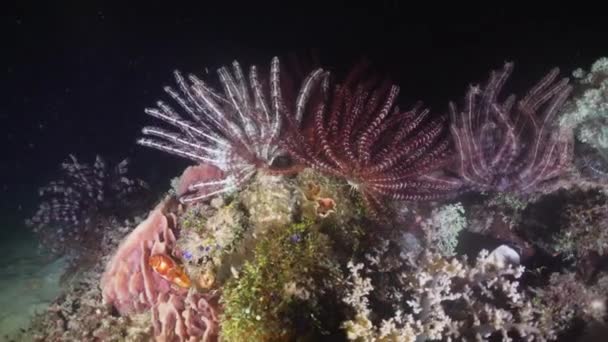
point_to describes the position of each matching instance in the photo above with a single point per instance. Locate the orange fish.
(168, 269)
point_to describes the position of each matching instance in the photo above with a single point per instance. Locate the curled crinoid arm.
(361, 135)
(511, 145)
(70, 207)
(236, 128)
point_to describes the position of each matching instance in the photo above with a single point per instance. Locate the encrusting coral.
(281, 277)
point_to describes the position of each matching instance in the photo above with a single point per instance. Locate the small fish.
(168, 269)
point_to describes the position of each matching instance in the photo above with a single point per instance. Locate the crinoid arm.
(511, 145)
(235, 128)
(361, 135)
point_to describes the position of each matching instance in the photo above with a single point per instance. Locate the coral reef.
(590, 110)
(281, 277)
(269, 201)
(260, 244)
(79, 314)
(501, 217)
(352, 230)
(588, 115)
(584, 233)
(443, 298)
(567, 300)
(210, 249)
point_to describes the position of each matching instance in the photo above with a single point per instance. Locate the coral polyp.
(236, 131)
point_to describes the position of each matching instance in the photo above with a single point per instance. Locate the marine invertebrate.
(569, 300)
(66, 219)
(443, 227)
(269, 201)
(236, 131)
(588, 111)
(583, 236)
(193, 317)
(208, 246)
(446, 299)
(328, 199)
(361, 135)
(131, 285)
(128, 282)
(285, 278)
(169, 270)
(322, 206)
(194, 174)
(511, 145)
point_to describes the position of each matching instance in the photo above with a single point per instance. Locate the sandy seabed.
(29, 281)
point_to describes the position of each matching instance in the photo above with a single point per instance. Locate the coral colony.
(328, 211)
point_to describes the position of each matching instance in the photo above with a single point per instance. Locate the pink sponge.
(128, 282)
(199, 174)
(190, 318)
(131, 286)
